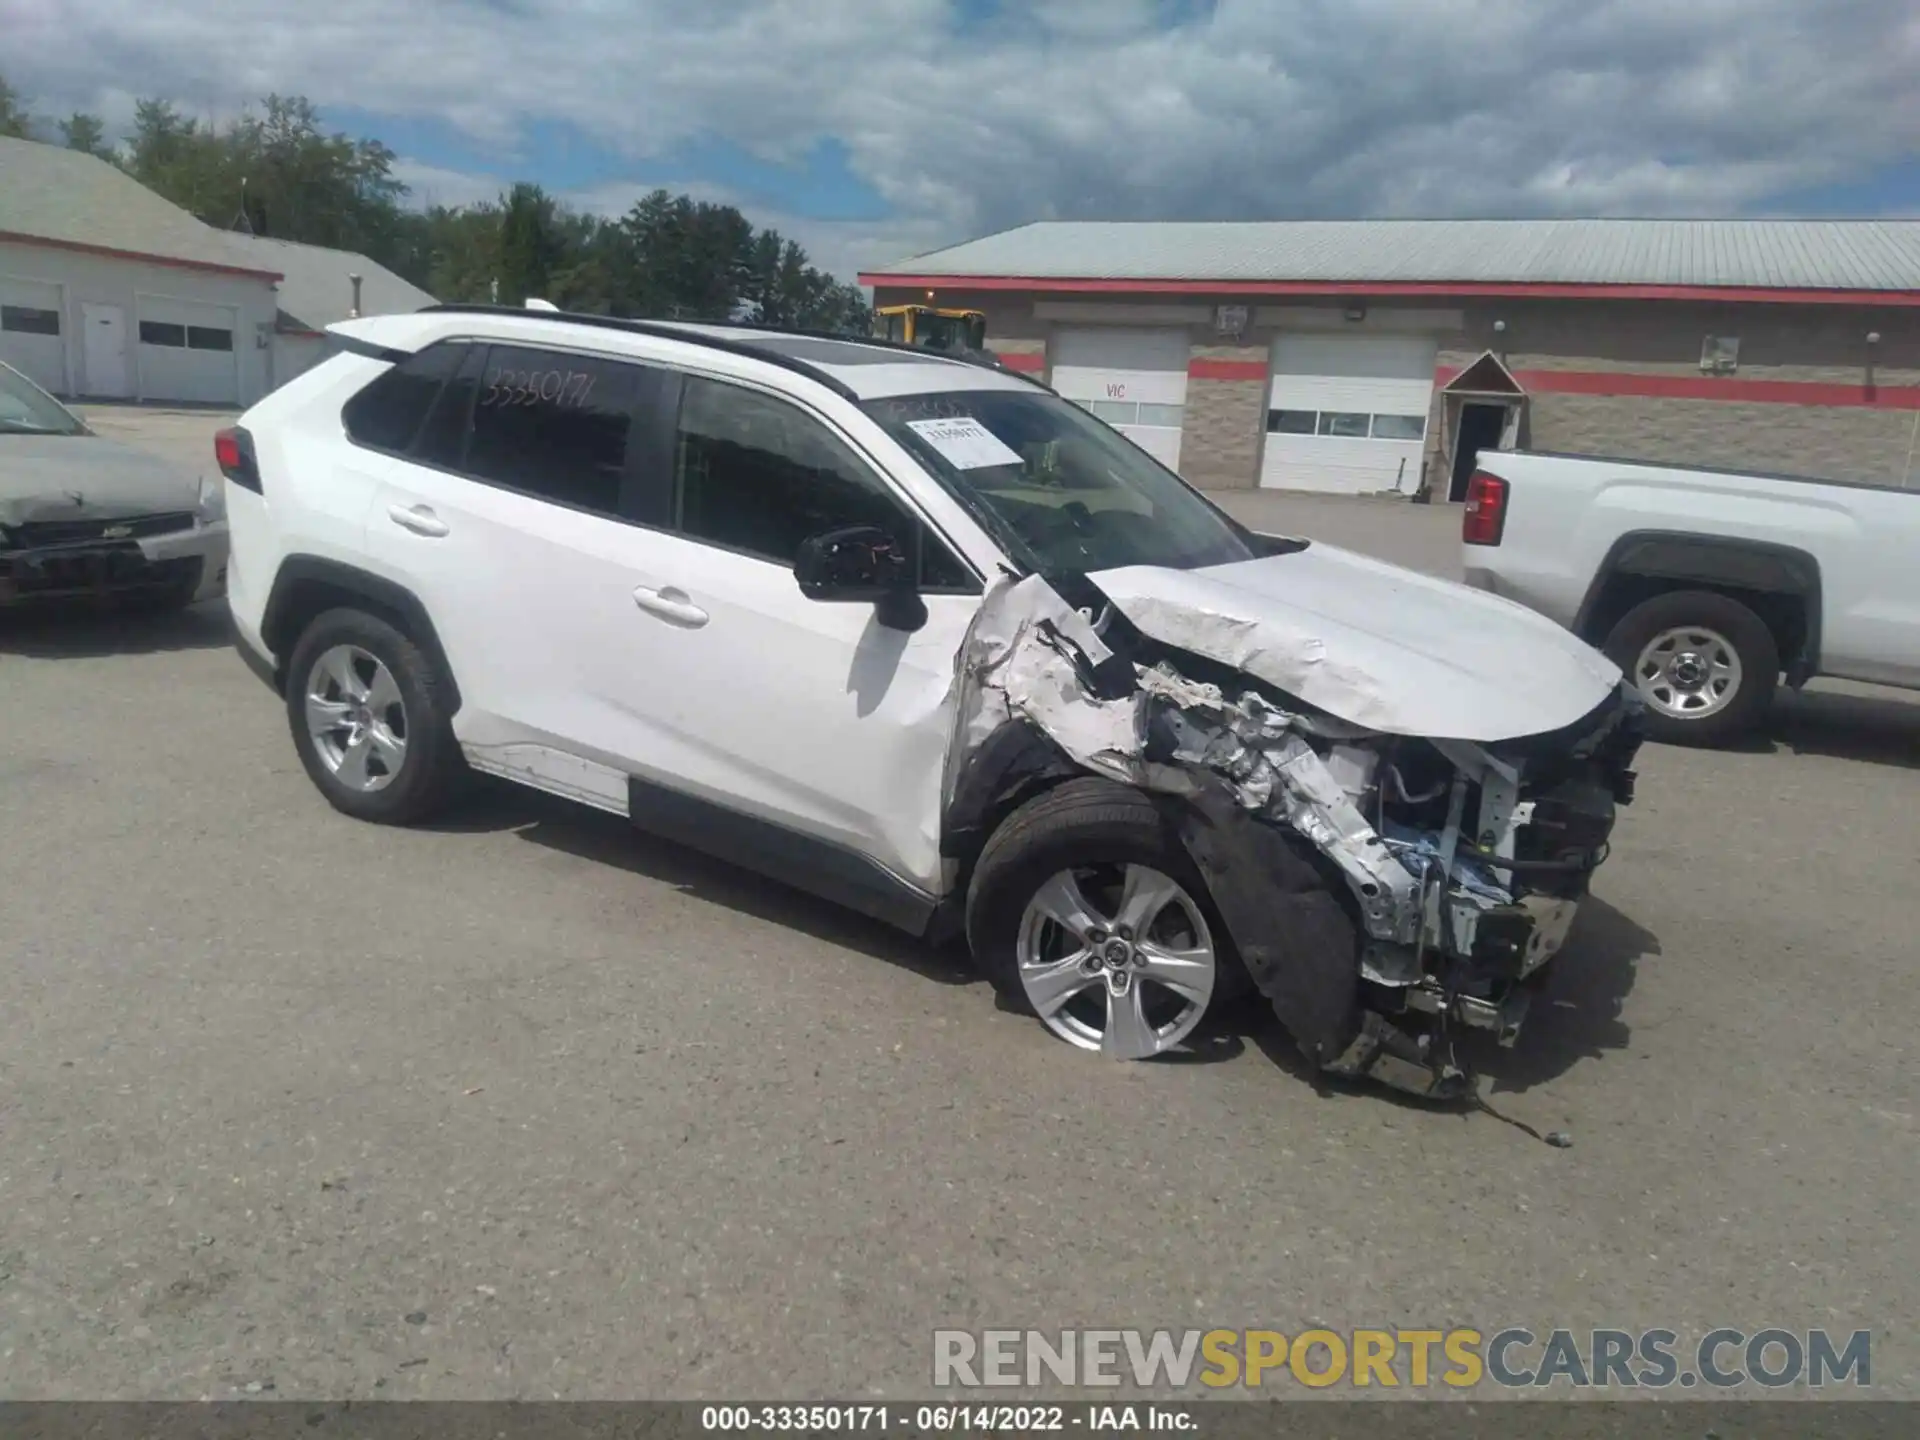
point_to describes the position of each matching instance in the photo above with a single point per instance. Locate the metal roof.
(77, 201)
(315, 288)
(1868, 255)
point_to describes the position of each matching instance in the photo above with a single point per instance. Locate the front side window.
(759, 475)
(1058, 490)
(554, 425)
(386, 415)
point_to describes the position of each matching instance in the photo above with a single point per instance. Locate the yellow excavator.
(932, 328)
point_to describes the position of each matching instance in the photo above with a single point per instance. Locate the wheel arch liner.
(1754, 565)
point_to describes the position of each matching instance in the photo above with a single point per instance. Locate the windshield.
(1057, 489)
(949, 332)
(26, 409)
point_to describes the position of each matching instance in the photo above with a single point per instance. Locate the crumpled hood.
(1373, 644)
(41, 476)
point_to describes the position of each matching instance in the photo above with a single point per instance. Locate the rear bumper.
(192, 562)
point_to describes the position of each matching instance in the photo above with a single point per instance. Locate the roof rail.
(878, 343)
(666, 331)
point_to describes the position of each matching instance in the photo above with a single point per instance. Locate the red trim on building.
(1027, 363)
(1708, 387)
(1385, 289)
(1202, 369)
(10, 238)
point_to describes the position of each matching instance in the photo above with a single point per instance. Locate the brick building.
(1378, 356)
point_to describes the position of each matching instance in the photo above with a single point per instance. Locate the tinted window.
(554, 425)
(203, 337)
(443, 439)
(387, 414)
(1292, 422)
(26, 320)
(157, 332)
(756, 474)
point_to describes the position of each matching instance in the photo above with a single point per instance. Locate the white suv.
(919, 635)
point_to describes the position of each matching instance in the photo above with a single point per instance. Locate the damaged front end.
(1381, 888)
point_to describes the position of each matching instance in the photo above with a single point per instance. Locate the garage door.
(188, 352)
(1135, 380)
(32, 332)
(1348, 413)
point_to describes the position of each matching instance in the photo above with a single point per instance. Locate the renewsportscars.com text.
(1515, 1357)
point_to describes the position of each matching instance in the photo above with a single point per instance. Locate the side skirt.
(819, 867)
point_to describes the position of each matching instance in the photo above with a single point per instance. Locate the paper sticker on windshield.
(965, 443)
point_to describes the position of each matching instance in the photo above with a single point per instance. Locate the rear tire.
(1706, 665)
(371, 721)
(1108, 849)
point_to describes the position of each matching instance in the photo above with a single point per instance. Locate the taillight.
(233, 450)
(1486, 512)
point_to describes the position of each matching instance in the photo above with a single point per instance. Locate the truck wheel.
(1706, 665)
(1086, 911)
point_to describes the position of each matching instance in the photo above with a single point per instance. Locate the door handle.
(420, 520)
(670, 604)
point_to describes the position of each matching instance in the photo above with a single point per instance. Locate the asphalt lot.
(526, 1106)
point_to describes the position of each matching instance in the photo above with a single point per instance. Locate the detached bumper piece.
(78, 572)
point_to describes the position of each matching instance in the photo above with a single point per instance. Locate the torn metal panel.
(1439, 922)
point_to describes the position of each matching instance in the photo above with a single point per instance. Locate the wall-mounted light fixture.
(1499, 327)
(1356, 313)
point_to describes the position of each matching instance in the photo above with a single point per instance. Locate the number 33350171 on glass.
(533, 387)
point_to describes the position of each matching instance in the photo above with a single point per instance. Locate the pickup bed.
(1704, 586)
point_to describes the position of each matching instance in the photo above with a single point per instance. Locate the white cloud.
(1082, 108)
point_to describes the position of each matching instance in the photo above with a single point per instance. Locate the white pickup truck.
(1704, 586)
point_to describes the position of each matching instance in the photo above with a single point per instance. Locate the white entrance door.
(32, 332)
(103, 354)
(1135, 380)
(1348, 413)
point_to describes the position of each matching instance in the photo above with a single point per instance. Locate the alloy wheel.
(356, 718)
(1116, 958)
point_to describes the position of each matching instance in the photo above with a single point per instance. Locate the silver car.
(84, 517)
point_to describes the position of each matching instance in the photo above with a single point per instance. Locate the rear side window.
(554, 425)
(386, 415)
(442, 439)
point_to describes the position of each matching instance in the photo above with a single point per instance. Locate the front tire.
(1086, 911)
(1706, 665)
(370, 720)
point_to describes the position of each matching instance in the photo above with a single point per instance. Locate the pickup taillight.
(1486, 512)
(233, 450)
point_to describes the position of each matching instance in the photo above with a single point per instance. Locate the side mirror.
(862, 563)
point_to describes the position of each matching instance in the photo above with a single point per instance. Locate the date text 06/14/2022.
(952, 1419)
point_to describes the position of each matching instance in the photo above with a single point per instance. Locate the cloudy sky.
(875, 129)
